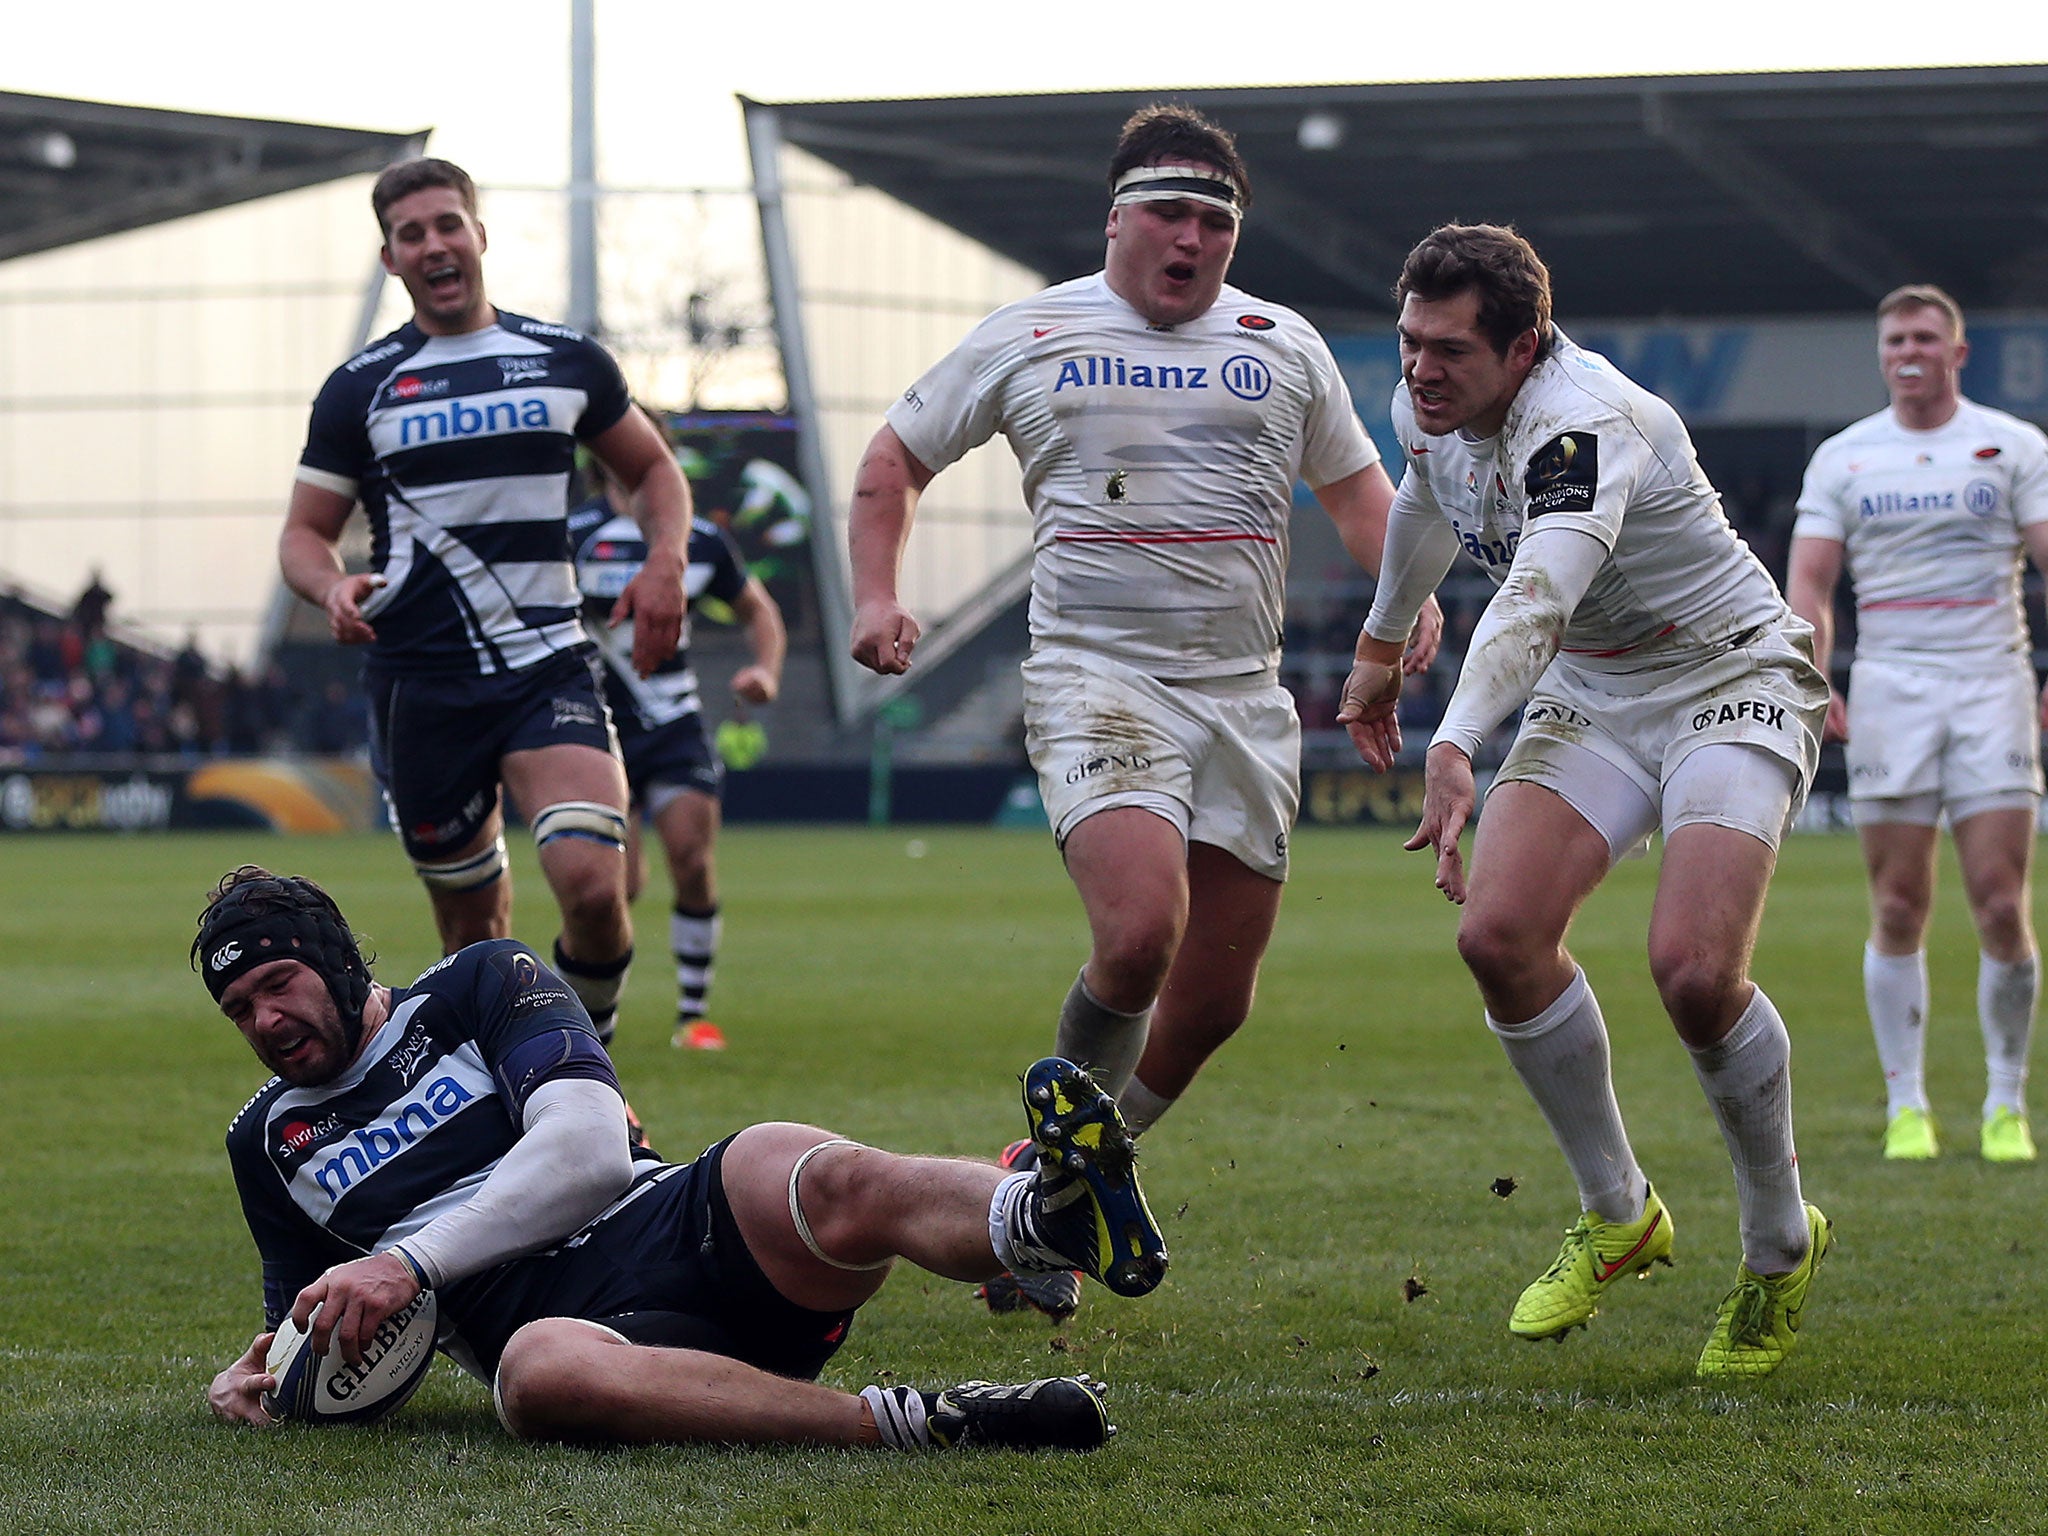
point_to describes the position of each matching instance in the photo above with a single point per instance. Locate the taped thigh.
(592, 820)
(470, 874)
(803, 1227)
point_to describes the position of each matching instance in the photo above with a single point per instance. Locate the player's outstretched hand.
(653, 600)
(1448, 796)
(1837, 726)
(884, 635)
(1423, 639)
(236, 1396)
(353, 1301)
(344, 604)
(1367, 708)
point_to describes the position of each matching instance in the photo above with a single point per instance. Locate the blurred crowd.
(68, 687)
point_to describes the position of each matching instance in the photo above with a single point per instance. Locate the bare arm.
(761, 620)
(1811, 573)
(633, 451)
(885, 493)
(309, 555)
(1358, 505)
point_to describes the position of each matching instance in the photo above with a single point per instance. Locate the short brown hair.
(1495, 261)
(1168, 131)
(400, 181)
(1923, 296)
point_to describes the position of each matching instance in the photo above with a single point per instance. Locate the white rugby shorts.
(1581, 728)
(1220, 758)
(1942, 738)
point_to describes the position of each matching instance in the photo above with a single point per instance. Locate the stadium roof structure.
(77, 170)
(1692, 195)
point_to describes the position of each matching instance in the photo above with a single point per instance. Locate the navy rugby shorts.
(436, 740)
(677, 754)
(668, 1268)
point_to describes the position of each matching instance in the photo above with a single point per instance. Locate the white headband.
(1176, 183)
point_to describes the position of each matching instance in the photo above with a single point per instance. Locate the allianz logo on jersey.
(457, 419)
(1979, 496)
(400, 1126)
(1245, 377)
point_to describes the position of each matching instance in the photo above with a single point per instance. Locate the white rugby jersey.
(1930, 525)
(1584, 447)
(1159, 463)
(460, 449)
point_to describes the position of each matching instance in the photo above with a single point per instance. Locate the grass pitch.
(1330, 1351)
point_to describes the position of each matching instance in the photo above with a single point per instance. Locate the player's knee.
(1698, 988)
(838, 1191)
(583, 845)
(1132, 958)
(2002, 922)
(544, 1379)
(1899, 919)
(1493, 951)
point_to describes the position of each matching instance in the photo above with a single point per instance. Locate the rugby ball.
(326, 1389)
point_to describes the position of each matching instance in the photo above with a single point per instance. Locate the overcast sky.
(493, 79)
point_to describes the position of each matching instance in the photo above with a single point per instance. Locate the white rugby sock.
(1561, 1058)
(1099, 1038)
(1747, 1076)
(2006, 995)
(1141, 1107)
(1018, 1245)
(1895, 990)
(900, 1414)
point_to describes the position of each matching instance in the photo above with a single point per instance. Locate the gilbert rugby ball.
(326, 1389)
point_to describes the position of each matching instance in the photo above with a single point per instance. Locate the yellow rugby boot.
(1596, 1253)
(1758, 1325)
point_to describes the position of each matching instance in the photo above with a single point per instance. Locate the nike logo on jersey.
(1038, 331)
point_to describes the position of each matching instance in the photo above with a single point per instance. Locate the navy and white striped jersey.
(335, 1172)
(609, 551)
(460, 449)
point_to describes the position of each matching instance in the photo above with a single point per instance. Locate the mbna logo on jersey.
(1247, 378)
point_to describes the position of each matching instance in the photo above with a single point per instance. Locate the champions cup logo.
(226, 955)
(1564, 474)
